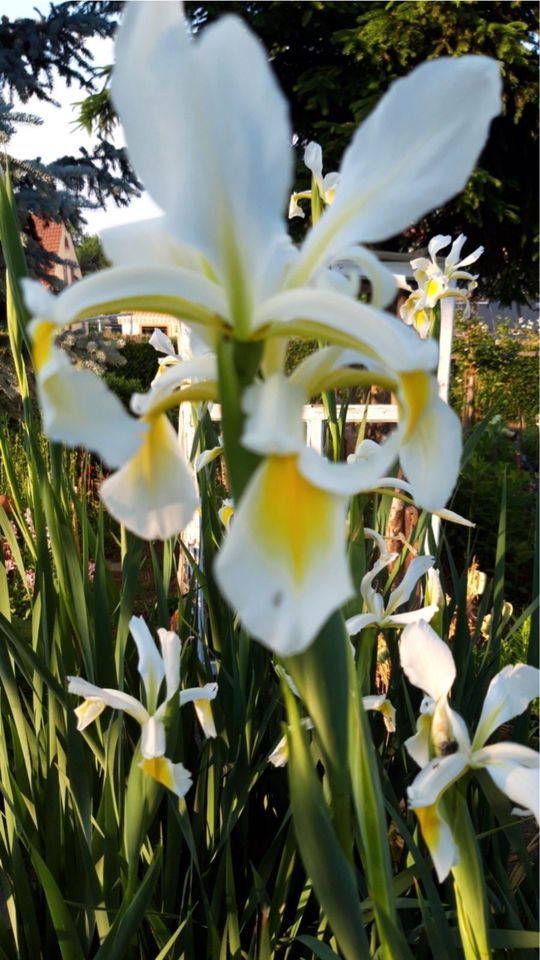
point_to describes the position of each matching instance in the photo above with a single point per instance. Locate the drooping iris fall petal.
(287, 538)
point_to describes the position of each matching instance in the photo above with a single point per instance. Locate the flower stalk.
(237, 366)
(321, 675)
(371, 818)
(469, 881)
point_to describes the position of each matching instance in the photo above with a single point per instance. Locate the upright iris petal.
(239, 158)
(395, 170)
(384, 615)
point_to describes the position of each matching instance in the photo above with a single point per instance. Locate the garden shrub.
(136, 376)
(124, 385)
(478, 497)
(142, 362)
(505, 364)
(298, 350)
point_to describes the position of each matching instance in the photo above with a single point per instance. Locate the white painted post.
(445, 346)
(314, 428)
(186, 436)
(446, 335)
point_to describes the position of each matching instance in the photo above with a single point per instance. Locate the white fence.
(314, 416)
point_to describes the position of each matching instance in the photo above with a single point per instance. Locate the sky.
(57, 134)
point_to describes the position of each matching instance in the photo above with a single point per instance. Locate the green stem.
(329, 404)
(364, 660)
(371, 817)
(328, 398)
(329, 870)
(320, 673)
(468, 876)
(237, 366)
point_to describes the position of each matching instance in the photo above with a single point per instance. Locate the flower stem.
(237, 366)
(469, 884)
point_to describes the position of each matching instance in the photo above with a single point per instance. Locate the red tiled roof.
(49, 234)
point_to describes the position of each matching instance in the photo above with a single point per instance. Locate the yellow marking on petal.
(432, 288)
(225, 515)
(294, 518)
(149, 454)
(43, 337)
(420, 319)
(430, 825)
(160, 769)
(416, 393)
(388, 711)
(88, 711)
(205, 717)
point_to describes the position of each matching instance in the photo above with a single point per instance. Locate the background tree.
(90, 254)
(33, 53)
(335, 60)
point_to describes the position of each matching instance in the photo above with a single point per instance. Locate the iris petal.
(283, 564)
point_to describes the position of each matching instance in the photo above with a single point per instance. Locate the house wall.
(67, 273)
(67, 252)
(143, 324)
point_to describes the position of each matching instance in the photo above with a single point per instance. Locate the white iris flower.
(443, 748)
(381, 614)
(194, 348)
(435, 282)
(283, 564)
(326, 185)
(154, 668)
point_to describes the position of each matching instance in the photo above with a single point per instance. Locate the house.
(139, 323)
(143, 323)
(55, 238)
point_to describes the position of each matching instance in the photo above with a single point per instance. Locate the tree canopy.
(335, 60)
(33, 53)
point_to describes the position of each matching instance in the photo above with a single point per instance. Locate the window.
(150, 329)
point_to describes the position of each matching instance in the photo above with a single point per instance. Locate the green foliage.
(478, 497)
(123, 386)
(136, 375)
(97, 111)
(504, 366)
(141, 361)
(90, 254)
(92, 350)
(297, 350)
